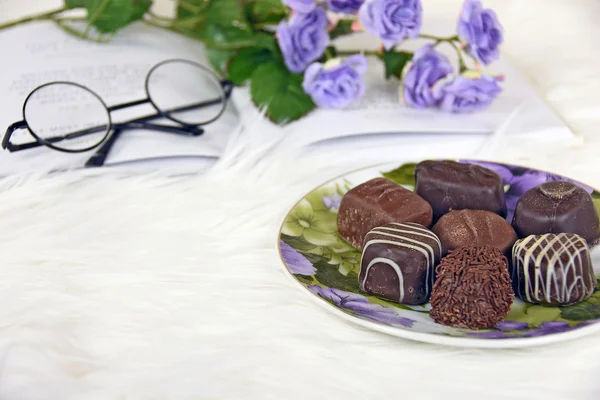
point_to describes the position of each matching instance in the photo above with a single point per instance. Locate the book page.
(40, 52)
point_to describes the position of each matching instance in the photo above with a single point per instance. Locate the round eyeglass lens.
(67, 116)
(186, 92)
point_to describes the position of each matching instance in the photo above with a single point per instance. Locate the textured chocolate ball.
(553, 269)
(398, 262)
(449, 185)
(377, 202)
(475, 228)
(473, 288)
(557, 207)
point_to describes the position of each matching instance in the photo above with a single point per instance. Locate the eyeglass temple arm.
(6, 144)
(99, 157)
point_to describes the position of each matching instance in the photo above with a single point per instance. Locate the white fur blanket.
(150, 287)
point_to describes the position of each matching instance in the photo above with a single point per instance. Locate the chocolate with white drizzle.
(398, 262)
(553, 269)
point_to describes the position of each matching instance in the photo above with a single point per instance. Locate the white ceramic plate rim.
(505, 343)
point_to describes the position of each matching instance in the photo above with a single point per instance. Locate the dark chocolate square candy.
(449, 185)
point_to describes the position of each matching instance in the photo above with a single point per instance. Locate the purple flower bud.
(302, 6)
(336, 84)
(428, 67)
(296, 262)
(345, 6)
(480, 29)
(465, 94)
(392, 20)
(303, 39)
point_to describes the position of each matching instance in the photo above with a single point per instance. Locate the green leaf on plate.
(243, 64)
(394, 62)
(219, 59)
(403, 175)
(109, 15)
(279, 91)
(586, 310)
(536, 315)
(329, 276)
(596, 198)
(344, 27)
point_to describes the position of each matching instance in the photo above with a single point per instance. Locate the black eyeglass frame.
(185, 128)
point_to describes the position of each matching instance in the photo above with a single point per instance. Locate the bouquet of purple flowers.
(286, 49)
(428, 78)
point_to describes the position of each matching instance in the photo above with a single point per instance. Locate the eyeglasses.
(71, 118)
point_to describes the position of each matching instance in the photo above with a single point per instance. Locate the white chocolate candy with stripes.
(398, 262)
(552, 269)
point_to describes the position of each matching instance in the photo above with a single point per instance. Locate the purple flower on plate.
(392, 20)
(427, 68)
(549, 328)
(332, 202)
(345, 6)
(491, 335)
(361, 306)
(302, 6)
(520, 180)
(480, 29)
(303, 39)
(469, 92)
(512, 326)
(336, 84)
(296, 262)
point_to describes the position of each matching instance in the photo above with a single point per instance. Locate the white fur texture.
(150, 287)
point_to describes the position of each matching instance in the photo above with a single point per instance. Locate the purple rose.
(392, 20)
(303, 39)
(428, 67)
(332, 202)
(296, 262)
(336, 84)
(345, 6)
(361, 307)
(480, 29)
(466, 94)
(302, 6)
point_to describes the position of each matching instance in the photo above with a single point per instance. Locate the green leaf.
(329, 275)
(394, 62)
(596, 198)
(267, 11)
(70, 4)
(280, 91)
(403, 175)
(586, 310)
(536, 315)
(109, 15)
(219, 59)
(140, 8)
(226, 13)
(344, 27)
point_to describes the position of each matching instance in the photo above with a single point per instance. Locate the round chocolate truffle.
(473, 288)
(553, 269)
(557, 207)
(475, 228)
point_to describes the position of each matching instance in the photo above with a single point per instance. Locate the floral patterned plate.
(327, 269)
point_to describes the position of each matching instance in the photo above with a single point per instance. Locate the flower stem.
(461, 60)
(449, 39)
(353, 52)
(82, 35)
(37, 17)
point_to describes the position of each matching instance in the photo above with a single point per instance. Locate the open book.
(40, 53)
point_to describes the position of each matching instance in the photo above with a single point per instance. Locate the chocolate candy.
(398, 262)
(557, 207)
(449, 185)
(553, 269)
(473, 288)
(475, 228)
(375, 203)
